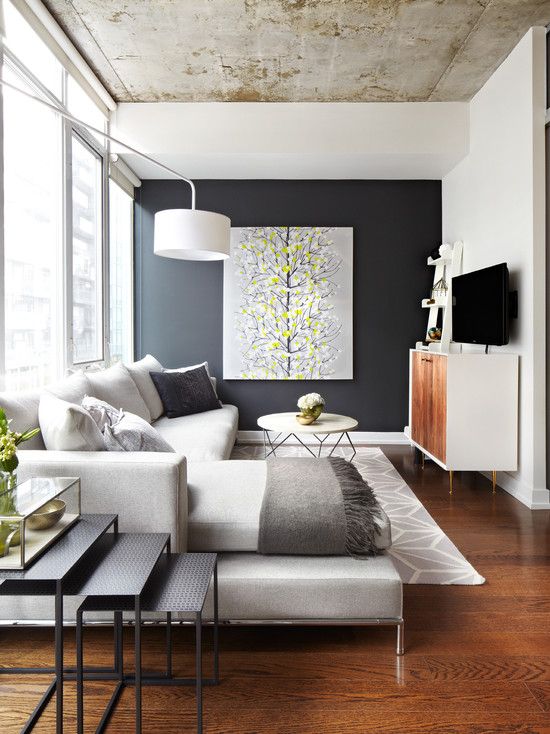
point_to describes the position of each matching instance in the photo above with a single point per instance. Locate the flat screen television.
(481, 306)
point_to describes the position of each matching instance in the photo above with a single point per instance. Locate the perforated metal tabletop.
(60, 559)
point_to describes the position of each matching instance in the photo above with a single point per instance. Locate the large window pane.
(81, 106)
(121, 226)
(32, 242)
(87, 254)
(32, 51)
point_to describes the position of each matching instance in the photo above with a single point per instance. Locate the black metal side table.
(178, 583)
(50, 575)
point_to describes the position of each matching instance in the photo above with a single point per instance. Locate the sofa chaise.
(206, 503)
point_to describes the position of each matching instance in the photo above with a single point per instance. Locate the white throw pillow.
(21, 409)
(67, 427)
(115, 386)
(132, 433)
(194, 367)
(72, 388)
(139, 372)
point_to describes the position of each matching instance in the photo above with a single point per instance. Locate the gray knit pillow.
(132, 433)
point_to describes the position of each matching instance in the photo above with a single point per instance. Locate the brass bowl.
(47, 516)
(306, 420)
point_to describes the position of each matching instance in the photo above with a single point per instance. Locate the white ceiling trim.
(422, 140)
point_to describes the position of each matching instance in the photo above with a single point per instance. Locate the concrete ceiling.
(296, 50)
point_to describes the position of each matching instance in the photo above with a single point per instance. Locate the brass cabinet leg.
(423, 459)
(494, 481)
(450, 481)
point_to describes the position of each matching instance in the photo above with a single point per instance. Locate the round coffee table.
(285, 424)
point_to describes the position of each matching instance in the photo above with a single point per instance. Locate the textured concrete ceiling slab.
(296, 50)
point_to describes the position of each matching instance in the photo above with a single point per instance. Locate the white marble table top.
(326, 423)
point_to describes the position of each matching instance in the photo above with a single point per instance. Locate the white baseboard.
(534, 499)
(359, 438)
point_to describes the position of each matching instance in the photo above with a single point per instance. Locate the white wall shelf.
(444, 268)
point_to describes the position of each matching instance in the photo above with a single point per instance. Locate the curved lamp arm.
(78, 121)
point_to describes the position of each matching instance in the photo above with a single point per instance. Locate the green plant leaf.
(27, 435)
(4, 425)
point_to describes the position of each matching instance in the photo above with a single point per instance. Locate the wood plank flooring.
(477, 660)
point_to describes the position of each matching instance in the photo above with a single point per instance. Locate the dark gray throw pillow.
(185, 393)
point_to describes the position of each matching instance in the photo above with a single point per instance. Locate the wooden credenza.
(463, 409)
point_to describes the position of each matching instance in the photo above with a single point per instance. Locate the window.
(87, 253)
(81, 106)
(59, 306)
(32, 52)
(32, 233)
(121, 245)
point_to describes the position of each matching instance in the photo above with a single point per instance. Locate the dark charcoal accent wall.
(179, 305)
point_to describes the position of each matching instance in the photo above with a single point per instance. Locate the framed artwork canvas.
(288, 304)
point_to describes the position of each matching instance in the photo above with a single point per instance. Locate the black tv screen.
(481, 306)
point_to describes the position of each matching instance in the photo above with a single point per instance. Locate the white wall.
(494, 201)
(416, 140)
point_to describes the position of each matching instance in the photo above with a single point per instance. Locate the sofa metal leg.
(401, 638)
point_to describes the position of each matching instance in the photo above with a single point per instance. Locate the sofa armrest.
(147, 490)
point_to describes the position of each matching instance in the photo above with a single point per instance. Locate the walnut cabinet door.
(429, 403)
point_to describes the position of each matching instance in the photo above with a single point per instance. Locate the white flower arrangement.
(310, 401)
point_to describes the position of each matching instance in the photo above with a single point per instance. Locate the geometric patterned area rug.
(421, 551)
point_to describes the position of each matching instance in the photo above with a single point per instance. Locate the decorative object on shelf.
(446, 251)
(47, 516)
(447, 262)
(434, 333)
(440, 288)
(311, 407)
(33, 515)
(288, 308)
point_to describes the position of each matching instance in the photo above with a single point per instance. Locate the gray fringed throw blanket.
(317, 507)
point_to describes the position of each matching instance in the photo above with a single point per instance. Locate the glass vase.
(8, 538)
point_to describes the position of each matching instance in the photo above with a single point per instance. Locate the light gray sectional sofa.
(206, 503)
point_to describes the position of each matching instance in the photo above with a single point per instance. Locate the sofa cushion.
(22, 409)
(139, 372)
(208, 436)
(225, 499)
(72, 389)
(254, 587)
(185, 393)
(224, 502)
(115, 386)
(67, 427)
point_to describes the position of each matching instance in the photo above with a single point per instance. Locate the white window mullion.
(67, 264)
(105, 251)
(2, 272)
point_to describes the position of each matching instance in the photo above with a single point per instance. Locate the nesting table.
(50, 575)
(117, 572)
(286, 425)
(179, 584)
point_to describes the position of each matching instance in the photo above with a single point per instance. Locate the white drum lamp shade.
(192, 234)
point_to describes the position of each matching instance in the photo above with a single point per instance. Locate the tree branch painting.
(287, 315)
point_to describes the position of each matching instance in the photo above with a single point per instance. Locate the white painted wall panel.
(494, 202)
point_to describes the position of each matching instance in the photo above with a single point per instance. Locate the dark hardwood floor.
(477, 658)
